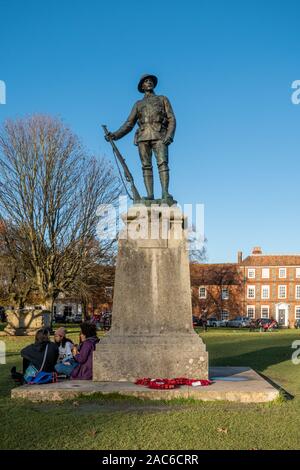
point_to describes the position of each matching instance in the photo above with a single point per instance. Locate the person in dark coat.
(34, 353)
(84, 353)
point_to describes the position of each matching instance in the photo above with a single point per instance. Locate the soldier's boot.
(164, 180)
(148, 180)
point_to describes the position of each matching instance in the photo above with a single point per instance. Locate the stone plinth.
(152, 333)
(238, 384)
(26, 322)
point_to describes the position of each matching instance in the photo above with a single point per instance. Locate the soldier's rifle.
(128, 176)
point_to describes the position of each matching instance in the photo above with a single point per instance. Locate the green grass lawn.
(125, 423)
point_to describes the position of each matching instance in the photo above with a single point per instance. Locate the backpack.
(43, 378)
(30, 373)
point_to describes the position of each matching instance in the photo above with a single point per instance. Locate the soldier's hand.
(167, 141)
(110, 136)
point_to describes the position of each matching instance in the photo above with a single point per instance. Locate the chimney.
(239, 257)
(257, 250)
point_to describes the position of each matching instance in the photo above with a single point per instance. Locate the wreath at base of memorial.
(167, 384)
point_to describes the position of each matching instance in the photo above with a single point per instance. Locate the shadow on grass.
(259, 360)
(13, 354)
(285, 395)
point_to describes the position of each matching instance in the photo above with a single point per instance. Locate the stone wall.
(26, 322)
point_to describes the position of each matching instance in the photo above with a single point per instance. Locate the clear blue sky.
(227, 67)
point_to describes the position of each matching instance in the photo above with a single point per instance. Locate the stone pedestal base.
(152, 333)
(128, 358)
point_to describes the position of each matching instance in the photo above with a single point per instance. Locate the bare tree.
(50, 189)
(224, 288)
(93, 289)
(15, 279)
(196, 246)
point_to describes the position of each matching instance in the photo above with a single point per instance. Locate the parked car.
(76, 318)
(214, 322)
(197, 321)
(262, 322)
(239, 322)
(59, 318)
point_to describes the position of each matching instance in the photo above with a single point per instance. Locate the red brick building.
(259, 286)
(217, 290)
(272, 286)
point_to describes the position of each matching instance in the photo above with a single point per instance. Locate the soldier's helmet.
(143, 78)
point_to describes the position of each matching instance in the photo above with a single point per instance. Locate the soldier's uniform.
(156, 121)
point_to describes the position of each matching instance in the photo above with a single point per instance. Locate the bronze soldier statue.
(156, 120)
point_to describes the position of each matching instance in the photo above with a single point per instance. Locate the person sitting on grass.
(65, 345)
(42, 355)
(33, 354)
(83, 355)
(66, 362)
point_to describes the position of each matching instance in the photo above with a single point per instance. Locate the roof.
(272, 260)
(215, 274)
